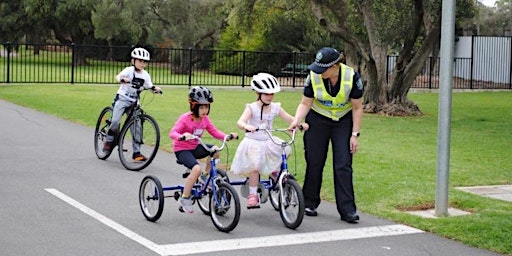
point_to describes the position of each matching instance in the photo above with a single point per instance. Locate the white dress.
(256, 151)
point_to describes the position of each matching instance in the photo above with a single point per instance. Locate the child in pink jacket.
(190, 124)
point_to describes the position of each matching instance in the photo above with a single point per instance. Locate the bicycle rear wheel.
(151, 198)
(147, 134)
(225, 207)
(292, 208)
(100, 132)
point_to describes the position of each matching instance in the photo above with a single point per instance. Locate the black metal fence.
(90, 64)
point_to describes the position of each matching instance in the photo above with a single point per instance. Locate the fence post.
(243, 69)
(72, 63)
(510, 65)
(189, 67)
(430, 72)
(294, 64)
(387, 68)
(472, 61)
(8, 62)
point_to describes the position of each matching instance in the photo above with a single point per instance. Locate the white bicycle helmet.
(141, 54)
(265, 83)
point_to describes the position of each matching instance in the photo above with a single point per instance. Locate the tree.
(69, 20)
(273, 25)
(410, 27)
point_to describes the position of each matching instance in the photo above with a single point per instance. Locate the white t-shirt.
(126, 91)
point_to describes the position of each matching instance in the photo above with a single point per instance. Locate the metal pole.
(445, 106)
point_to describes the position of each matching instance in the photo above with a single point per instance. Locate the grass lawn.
(395, 169)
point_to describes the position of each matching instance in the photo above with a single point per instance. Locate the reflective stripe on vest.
(324, 103)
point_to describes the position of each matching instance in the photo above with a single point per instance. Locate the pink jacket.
(185, 124)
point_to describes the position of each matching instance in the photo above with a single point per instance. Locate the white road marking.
(281, 240)
(242, 243)
(110, 223)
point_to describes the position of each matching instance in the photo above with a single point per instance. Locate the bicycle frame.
(283, 171)
(200, 190)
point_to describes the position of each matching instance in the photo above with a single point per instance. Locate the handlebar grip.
(301, 127)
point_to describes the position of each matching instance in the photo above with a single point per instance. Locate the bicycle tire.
(292, 209)
(204, 201)
(273, 195)
(150, 141)
(100, 132)
(151, 198)
(225, 207)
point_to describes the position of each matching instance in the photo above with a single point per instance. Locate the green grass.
(395, 168)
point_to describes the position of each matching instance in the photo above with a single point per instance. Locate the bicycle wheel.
(273, 194)
(151, 198)
(292, 208)
(225, 207)
(100, 133)
(147, 135)
(204, 201)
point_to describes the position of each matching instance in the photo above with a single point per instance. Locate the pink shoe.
(273, 175)
(253, 201)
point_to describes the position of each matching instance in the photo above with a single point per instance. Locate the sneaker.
(253, 201)
(139, 157)
(186, 205)
(107, 147)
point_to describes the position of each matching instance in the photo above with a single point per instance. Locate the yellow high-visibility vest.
(324, 103)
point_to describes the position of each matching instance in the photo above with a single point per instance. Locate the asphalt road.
(58, 198)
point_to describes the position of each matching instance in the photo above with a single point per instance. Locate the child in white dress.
(256, 154)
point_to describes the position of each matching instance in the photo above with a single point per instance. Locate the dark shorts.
(189, 158)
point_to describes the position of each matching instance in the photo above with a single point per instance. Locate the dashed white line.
(242, 243)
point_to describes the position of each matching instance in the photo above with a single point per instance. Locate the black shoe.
(350, 217)
(310, 211)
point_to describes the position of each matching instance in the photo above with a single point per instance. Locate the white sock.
(253, 190)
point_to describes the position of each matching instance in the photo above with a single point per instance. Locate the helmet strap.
(263, 104)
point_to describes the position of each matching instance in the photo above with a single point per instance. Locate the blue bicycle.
(284, 191)
(214, 195)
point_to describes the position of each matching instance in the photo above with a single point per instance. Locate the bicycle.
(215, 196)
(143, 129)
(284, 192)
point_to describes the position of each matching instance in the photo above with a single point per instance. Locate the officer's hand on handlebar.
(304, 127)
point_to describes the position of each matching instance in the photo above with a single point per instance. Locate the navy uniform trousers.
(323, 130)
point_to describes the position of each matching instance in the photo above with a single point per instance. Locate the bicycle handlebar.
(213, 148)
(270, 131)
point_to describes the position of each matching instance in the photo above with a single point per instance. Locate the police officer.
(332, 105)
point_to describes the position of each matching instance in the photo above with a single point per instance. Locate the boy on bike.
(133, 79)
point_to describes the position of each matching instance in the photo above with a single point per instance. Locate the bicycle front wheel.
(225, 207)
(151, 198)
(139, 136)
(100, 132)
(291, 204)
